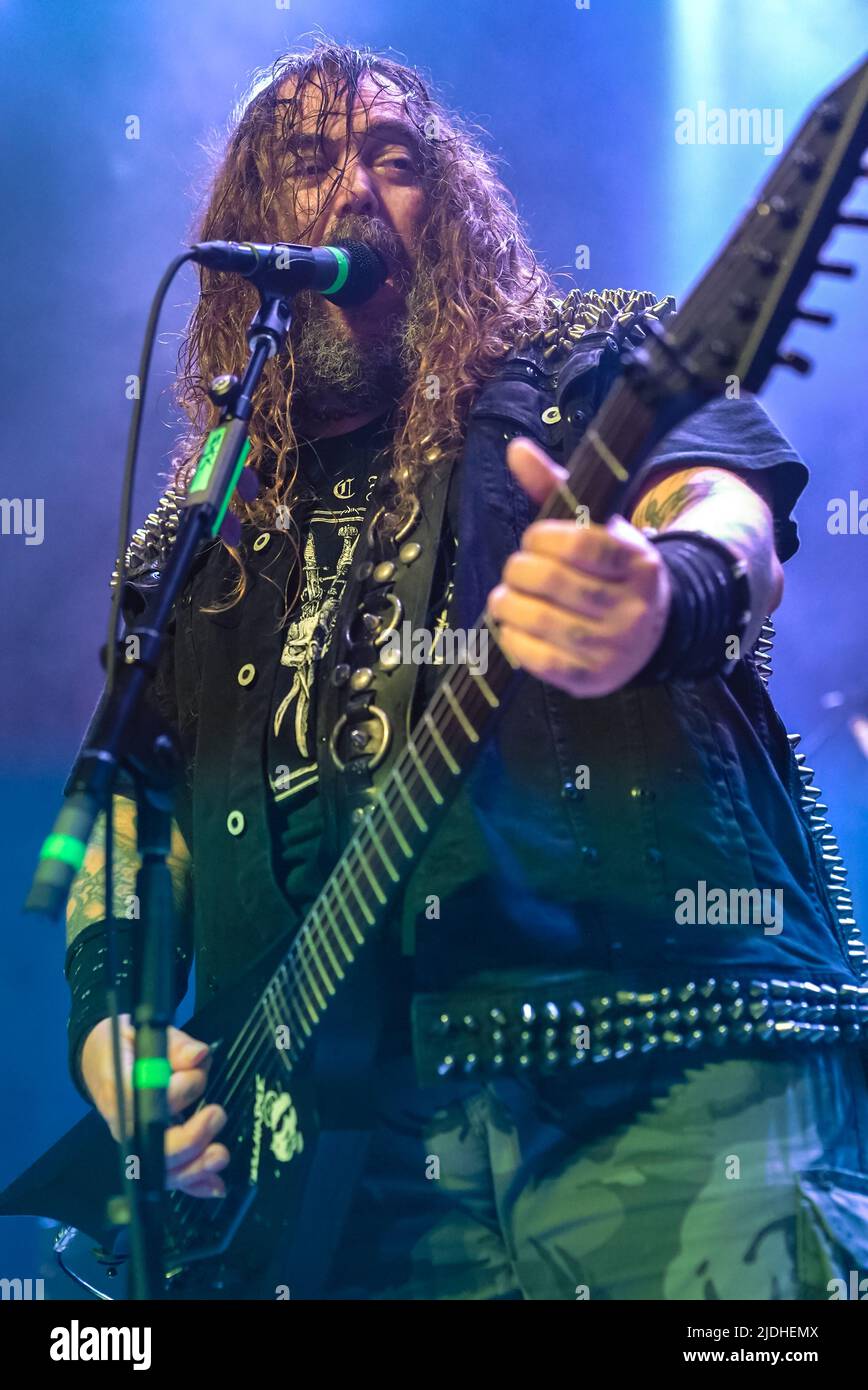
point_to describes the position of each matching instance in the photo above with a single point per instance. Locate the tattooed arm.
(86, 901)
(735, 512)
(585, 607)
(193, 1160)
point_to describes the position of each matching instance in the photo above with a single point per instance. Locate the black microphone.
(347, 273)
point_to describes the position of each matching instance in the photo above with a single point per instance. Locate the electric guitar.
(729, 330)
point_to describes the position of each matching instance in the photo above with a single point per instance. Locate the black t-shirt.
(339, 475)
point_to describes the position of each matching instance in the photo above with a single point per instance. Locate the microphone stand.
(126, 734)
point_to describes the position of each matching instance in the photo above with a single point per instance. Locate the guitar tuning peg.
(799, 364)
(835, 268)
(852, 219)
(814, 316)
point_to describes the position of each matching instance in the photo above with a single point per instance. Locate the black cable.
(124, 530)
(130, 458)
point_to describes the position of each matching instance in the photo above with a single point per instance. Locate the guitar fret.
(484, 686)
(459, 713)
(279, 1014)
(272, 1013)
(381, 850)
(327, 979)
(342, 903)
(300, 987)
(424, 773)
(281, 1008)
(333, 960)
(317, 992)
(408, 800)
(280, 1000)
(306, 1028)
(378, 892)
(566, 493)
(491, 624)
(337, 931)
(614, 464)
(366, 911)
(396, 830)
(444, 751)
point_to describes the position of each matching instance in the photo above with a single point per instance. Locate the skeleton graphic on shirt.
(308, 635)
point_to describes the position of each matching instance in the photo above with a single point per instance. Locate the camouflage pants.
(646, 1179)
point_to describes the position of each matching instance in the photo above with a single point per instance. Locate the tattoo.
(658, 510)
(732, 510)
(87, 899)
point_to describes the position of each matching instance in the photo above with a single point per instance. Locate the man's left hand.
(581, 607)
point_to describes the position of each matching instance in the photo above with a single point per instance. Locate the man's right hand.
(192, 1159)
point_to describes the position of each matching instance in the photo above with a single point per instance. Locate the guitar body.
(214, 1248)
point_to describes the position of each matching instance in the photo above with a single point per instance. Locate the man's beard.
(338, 375)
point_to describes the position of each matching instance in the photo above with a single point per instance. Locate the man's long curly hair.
(484, 286)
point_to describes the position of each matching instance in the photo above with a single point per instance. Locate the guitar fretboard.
(383, 850)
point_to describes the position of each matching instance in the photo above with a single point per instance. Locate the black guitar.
(730, 328)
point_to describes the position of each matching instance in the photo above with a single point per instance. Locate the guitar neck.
(383, 850)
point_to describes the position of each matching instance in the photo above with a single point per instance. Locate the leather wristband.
(710, 606)
(85, 971)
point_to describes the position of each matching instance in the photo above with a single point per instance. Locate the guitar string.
(252, 1034)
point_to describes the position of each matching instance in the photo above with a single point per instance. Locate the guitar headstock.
(732, 323)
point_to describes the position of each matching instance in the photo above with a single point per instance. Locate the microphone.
(347, 273)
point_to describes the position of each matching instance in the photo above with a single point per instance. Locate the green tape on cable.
(207, 459)
(224, 506)
(67, 848)
(151, 1073)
